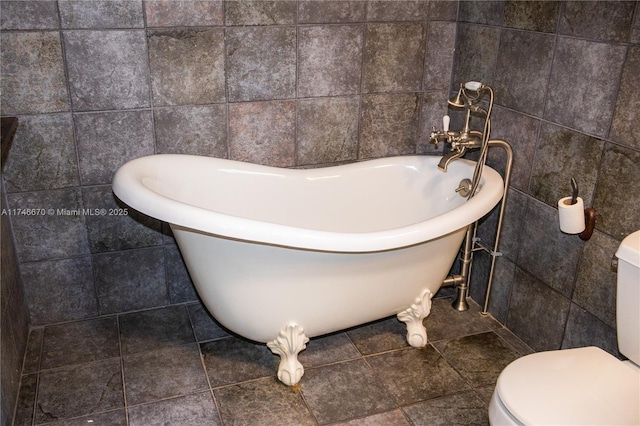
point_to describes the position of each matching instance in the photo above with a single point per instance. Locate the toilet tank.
(628, 297)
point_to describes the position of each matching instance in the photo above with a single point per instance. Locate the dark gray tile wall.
(283, 83)
(566, 82)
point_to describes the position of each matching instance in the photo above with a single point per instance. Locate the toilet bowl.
(581, 386)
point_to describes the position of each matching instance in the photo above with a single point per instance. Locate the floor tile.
(461, 409)
(391, 418)
(204, 326)
(344, 391)
(79, 390)
(154, 329)
(379, 336)
(110, 418)
(479, 358)
(262, 402)
(26, 400)
(192, 410)
(164, 373)
(327, 350)
(445, 322)
(78, 342)
(233, 360)
(413, 375)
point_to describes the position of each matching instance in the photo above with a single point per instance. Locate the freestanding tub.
(281, 255)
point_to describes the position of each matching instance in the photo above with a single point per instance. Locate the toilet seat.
(582, 386)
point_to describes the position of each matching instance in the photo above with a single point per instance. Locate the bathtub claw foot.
(289, 343)
(413, 316)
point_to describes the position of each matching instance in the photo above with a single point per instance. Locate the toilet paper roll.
(571, 215)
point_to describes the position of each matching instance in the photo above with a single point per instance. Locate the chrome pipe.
(496, 245)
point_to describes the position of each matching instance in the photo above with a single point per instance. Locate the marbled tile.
(77, 390)
(514, 341)
(187, 66)
(461, 409)
(184, 13)
(626, 126)
(476, 53)
(393, 57)
(601, 20)
(120, 227)
(560, 155)
(196, 410)
(566, 93)
(33, 352)
(521, 132)
(522, 70)
(33, 79)
(537, 314)
(479, 358)
(584, 329)
(343, 391)
(55, 230)
(59, 290)
(482, 12)
(501, 284)
(320, 12)
(110, 418)
(395, 418)
(257, 12)
(617, 195)
(413, 375)
(444, 322)
(107, 140)
(404, 10)
(379, 336)
(442, 10)
(440, 53)
(264, 401)
(29, 15)
(261, 63)
(43, 154)
(101, 14)
(107, 69)
(181, 288)
(195, 130)
(545, 251)
(389, 124)
(263, 133)
(539, 16)
(155, 329)
(512, 224)
(329, 60)
(205, 326)
(327, 130)
(234, 360)
(79, 342)
(596, 282)
(635, 28)
(434, 107)
(129, 280)
(328, 349)
(164, 373)
(26, 400)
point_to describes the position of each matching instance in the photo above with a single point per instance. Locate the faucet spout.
(451, 156)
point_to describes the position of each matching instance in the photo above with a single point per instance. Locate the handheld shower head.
(457, 101)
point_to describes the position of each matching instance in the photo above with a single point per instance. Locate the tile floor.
(175, 366)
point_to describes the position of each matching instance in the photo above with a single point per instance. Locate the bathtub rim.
(128, 186)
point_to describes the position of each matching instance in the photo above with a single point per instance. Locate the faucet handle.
(445, 123)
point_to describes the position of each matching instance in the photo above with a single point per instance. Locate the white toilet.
(583, 386)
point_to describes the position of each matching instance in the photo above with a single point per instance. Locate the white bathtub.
(281, 255)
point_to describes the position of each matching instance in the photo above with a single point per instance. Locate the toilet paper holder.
(571, 210)
(589, 223)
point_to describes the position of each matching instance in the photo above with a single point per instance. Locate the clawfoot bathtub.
(282, 255)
